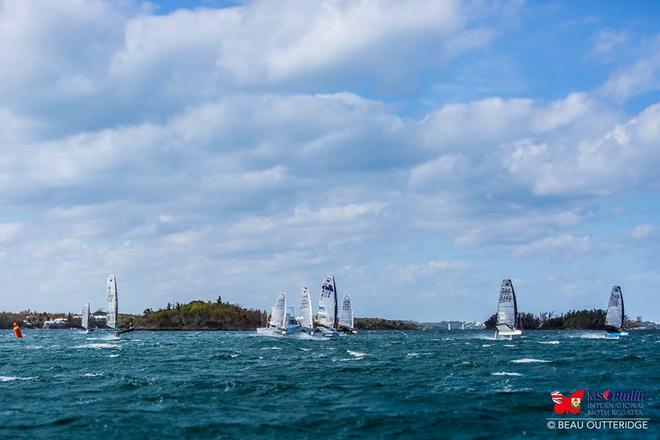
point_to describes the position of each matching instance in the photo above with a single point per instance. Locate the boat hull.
(507, 332)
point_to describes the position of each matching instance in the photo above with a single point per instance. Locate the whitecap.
(509, 345)
(549, 342)
(98, 346)
(93, 374)
(486, 345)
(13, 378)
(529, 361)
(304, 349)
(271, 348)
(356, 354)
(505, 373)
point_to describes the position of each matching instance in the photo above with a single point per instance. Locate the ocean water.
(389, 384)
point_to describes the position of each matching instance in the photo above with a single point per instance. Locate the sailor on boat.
(131, 328)
(17, 331)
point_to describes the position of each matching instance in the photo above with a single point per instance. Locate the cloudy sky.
(420, 151)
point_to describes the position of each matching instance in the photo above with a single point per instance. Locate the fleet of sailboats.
(330, 320)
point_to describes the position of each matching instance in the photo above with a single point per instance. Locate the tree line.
(593, 319)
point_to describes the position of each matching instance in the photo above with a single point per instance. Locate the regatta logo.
(565, 405)
(617, 396)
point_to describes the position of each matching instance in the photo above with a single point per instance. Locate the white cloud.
(638, 76)
(561, 246)
(644, 231)
(9, 231)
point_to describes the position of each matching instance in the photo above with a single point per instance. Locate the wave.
(529, 361)
(356, 354)
(505, 373)
(98, 346)
(13, 378)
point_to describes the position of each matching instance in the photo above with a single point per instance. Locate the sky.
(419, 151)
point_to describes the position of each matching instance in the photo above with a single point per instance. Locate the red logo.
(565, 405)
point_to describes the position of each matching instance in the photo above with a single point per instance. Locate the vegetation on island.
(384, 324)
(572, 320)
(199, 315)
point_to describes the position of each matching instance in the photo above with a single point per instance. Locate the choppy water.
(432, 384)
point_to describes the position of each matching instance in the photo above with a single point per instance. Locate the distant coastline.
(194, 316)
(221, 316)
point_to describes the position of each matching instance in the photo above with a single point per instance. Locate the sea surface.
(387, 384)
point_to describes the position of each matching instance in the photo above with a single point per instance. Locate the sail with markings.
(507, 310)
(327, 311)
(615, 311)
(306, 320)
(346, 315)
(112, 302)
(85, 316)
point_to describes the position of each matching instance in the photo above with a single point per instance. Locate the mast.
(334, 288)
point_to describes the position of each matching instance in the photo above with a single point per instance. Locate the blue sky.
(419, 151)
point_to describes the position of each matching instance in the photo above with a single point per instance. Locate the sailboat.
(282, 321)
(615, 317)
(112, 304)
(306, 320)
(86, 320)
(448, 326)
(346, 321)
(326, 318)
(507, 311)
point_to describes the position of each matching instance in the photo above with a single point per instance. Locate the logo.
(565, 405)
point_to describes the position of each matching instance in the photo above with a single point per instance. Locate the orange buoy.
(17, 331)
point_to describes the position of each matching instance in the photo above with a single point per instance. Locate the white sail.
(327, 312)
(278, 318)
(346, 314)
(507, 307)
(306, 309)
(615, 310)
(85, 316)
(112, 302)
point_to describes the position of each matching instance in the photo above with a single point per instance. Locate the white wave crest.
(529, 361)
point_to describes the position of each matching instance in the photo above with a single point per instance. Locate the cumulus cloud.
(253, 148)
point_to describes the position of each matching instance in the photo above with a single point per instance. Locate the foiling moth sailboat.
(282, 321)
(326, 318)
(306, 319)
(507, 312)
(346, 321)
(86, 319)
(615, 318)
(112, 304)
